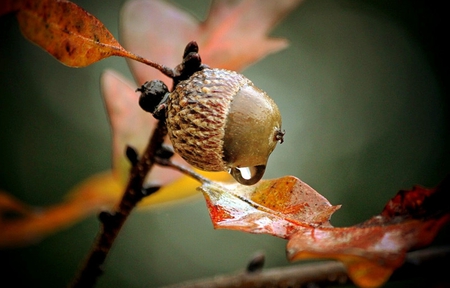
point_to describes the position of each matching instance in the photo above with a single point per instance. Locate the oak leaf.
(66, 31)
(278, 207)
(289, 208)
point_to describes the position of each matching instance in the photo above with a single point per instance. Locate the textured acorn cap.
(197, 113)
(200, 124)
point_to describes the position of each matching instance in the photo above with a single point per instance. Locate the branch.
(419, 263)
(112, 222)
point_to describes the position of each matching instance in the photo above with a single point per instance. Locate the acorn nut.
(217, 120)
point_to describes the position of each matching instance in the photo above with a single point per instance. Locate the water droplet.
(248, 175)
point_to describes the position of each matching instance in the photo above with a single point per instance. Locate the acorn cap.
(217, 120)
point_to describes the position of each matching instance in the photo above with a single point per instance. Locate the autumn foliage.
(289, 208)
(285, 207)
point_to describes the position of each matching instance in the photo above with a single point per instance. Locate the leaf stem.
(169, 72)
(189, 172)
(112, 222)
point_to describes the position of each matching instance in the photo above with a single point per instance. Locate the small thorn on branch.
(147, 191)
(165, 152)
(256, 264)
(107, 218)
(132, 155)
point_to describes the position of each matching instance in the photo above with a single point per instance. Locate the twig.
(111, 223)
(291, 276)
(189, 172)
(419, 263)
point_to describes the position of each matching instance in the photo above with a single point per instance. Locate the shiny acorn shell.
(218, 120)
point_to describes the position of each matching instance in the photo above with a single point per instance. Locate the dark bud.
(132, 155)
(192, 63)
(256, 264)
(190, 47)
(107, 218)
(165, 152)
(152, 95)
(147, 191)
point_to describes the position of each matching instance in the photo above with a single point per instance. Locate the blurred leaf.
(235, 32)
(233, 36)
(279, 207)
(9, 204)
(183, 188)
(30, 224)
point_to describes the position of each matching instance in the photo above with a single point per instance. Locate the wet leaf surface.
(279, 207)
(289, 208)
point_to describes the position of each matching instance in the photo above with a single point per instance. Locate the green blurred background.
(363, 90)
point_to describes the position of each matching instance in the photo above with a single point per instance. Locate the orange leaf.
(66, 31)
(279, 207)
(374, 249)
(288, 208)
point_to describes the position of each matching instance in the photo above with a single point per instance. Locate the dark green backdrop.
(363, 93)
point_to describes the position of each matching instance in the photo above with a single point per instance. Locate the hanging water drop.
(248, 175)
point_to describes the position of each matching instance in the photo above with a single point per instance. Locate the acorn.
(217, 120)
